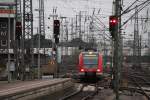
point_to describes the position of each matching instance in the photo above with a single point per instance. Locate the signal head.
(113, 22)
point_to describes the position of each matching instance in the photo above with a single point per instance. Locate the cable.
(129, 7)
(101, 30)
(128, 10)
(100, 21)
(134, 14)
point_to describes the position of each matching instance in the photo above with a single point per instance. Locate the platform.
(24, 90)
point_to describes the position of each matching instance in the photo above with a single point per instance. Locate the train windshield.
(90, 61)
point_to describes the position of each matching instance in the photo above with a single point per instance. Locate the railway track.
(138, 78)
(87, 91)
(139, 88)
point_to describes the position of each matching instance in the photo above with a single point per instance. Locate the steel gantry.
(27, 48)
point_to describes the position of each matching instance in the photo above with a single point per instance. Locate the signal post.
(115, 31)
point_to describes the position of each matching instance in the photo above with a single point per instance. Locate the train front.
(90, 65)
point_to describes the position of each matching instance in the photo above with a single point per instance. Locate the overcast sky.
(70, 8)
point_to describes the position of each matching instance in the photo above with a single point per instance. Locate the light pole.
(39, 38)
(8, 40)
(39, 31)
(8, 64)
(117, 48)
(39, 60)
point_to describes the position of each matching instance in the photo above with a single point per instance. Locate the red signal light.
(113, 22)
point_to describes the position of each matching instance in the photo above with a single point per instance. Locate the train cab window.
(90, 61)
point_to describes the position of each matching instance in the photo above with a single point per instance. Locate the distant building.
(6, 12)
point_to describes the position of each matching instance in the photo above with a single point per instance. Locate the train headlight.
(98, 70)
(82, 70)
(90, 53)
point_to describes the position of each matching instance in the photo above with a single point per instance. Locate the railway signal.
(56, 30)
(113, 22)
(57, 40)
(18, 30)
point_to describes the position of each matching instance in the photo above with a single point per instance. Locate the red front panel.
(98, 69)
(100, 63)
(80, 66)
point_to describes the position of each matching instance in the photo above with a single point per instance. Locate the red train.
(90, 65)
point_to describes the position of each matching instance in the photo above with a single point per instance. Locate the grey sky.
(69, 8)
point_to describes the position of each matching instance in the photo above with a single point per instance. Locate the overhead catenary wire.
(128, 9)
(141, 8)
(97, 27)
